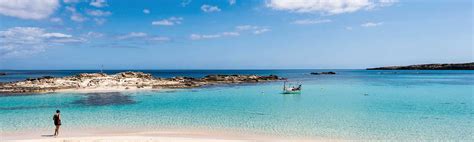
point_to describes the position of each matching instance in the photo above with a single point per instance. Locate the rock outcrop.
(2, 73)
(123, 80)
(461, 66)
(320, 73)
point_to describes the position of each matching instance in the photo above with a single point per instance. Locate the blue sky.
(233, 34)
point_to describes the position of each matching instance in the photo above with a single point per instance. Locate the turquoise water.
(354, 104)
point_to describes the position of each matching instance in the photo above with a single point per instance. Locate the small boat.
(291, 88)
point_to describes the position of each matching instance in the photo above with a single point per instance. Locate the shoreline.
(93, 135)
(105, 90)
(125, 90)
(123, 81)
(95, 90)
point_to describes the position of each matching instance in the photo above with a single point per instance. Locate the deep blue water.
(353, 104)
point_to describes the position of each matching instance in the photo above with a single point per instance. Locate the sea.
(352, 104)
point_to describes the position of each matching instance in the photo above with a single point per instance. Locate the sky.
(233, 34)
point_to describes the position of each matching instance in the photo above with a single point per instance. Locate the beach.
(349, 105)
(94, 135)
(236, 70)
(110, 135)
(129, 139)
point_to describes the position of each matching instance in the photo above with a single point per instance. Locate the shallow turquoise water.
(354, 104)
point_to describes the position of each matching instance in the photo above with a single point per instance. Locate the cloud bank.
(311, 21)
(20, 41)
(209, 8)
(28, 9)
(371, 24)
(327, 6)
(168, 22)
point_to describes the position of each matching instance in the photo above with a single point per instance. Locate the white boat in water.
(291, 88)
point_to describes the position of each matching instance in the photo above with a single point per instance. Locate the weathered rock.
(124, 80)
(135, 75)
(40, 79)
(270, 77)
(91, 75)
(326, 73)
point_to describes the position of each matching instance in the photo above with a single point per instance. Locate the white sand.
(128, 139)
(139, 136)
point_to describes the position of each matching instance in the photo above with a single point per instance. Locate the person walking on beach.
(57, 122)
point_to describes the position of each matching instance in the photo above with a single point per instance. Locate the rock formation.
(123, 80)
(320, 73)
(2, 73)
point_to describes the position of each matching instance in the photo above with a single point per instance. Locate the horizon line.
(188, 69)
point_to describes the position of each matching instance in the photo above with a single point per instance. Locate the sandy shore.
(148, 136)
(155, 139)
(128, 139)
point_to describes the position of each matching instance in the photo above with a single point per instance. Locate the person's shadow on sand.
(47, 135)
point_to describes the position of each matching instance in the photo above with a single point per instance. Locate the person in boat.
(57, 122)
(296, 88)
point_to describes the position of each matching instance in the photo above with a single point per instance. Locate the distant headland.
(458, 66)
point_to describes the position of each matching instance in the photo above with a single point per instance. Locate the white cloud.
(168, 22)
(349, 28)
(246, 27)
(133, 35)
(75, 16)
(164, 22)
(98, 13)
(230, 34)
(371, 24)
(209, 8)
(100, 21)
(56, 20)
(383, 3)
(71, 9)
(327, 6)
(71, 1)
(140, 37)
(211, 36)
(67, 40)
(78, 17)
(20, 41)
(98, 3)
(56, 35)
(261, 31)
(93, 35)
(232, 2)
(195, 36)
(311, 21)
(255, 29)
(28, 9)
(159, 38)
(146, 11)
(185, 3)
(199, 36)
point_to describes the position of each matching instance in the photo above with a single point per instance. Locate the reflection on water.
(104, 99)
